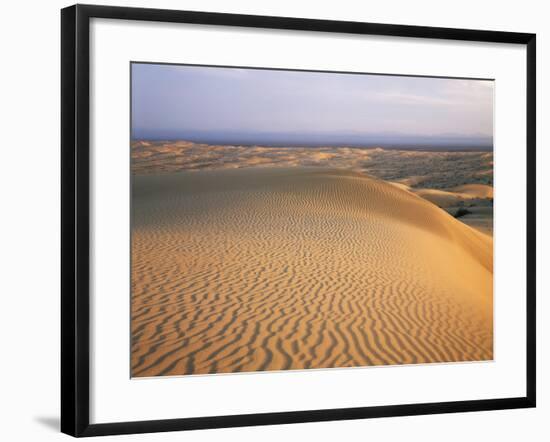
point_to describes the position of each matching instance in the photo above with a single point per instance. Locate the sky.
(261, 106)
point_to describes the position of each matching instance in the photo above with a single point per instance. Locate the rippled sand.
(450, 179)
(292, 268)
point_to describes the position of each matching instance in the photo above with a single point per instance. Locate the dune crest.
(292, 268)
(475, 190)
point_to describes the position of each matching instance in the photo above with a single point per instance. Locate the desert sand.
(275, 268)
(476, 199)
(452, 180)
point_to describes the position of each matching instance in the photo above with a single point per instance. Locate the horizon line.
(383, 145)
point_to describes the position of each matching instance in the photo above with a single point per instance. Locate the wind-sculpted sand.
(450, 179)
(291, 268)
(475, 201)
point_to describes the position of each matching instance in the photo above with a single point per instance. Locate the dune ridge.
(476, 199)
(291, 268)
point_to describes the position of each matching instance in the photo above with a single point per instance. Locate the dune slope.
(273, 269)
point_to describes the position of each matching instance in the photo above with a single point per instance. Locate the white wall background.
(29, 220)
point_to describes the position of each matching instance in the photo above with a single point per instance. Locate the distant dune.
(477, 199)
(452, 197)
(291, 268)
(475, 190)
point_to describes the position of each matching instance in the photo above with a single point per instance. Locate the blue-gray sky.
(256, 106)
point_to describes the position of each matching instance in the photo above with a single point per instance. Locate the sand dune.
(175, 156)
(428, 169)
(291, 268)
(475, 190)
(441, 198)
(449, 179)
(450, 197)
(476, 198)
(454, 196)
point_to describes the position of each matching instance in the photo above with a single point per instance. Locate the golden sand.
(292, 268)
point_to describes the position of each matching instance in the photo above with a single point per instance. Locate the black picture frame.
(75, 225)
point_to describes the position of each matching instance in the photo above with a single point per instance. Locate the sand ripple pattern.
(277, 269)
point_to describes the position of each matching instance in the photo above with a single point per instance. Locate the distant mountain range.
(314, 139)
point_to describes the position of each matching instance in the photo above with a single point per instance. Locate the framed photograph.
(272, 220)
